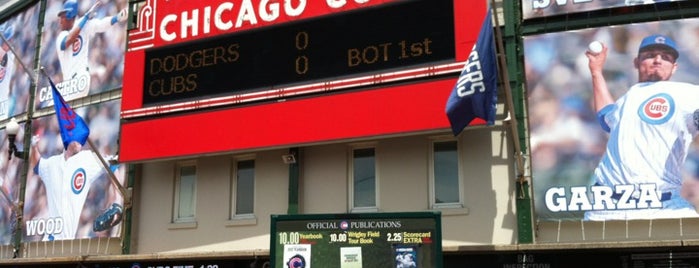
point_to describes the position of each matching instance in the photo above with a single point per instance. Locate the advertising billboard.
(69, 194)
(356, 240)
(83, 47)
(543, 8)
(20, 32)
(611, 130)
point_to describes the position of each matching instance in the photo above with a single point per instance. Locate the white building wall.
(402, 174)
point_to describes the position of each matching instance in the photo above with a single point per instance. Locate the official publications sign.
(542, 8)
(608, 142)
(69, 194)
(356, 240)
(91, 62)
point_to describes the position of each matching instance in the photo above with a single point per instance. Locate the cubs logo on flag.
(72, 126)
(475, 93)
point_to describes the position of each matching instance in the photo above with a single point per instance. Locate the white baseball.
(595, 47)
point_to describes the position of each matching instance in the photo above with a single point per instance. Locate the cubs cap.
(70, 9)
(659, 41)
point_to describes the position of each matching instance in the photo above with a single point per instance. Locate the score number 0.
(302, 41)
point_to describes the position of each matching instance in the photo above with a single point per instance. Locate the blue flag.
(73, 127)
(475, 93)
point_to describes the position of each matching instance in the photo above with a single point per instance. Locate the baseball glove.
(109, 218)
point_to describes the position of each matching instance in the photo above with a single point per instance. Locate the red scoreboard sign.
(164, 22)
(249, 58)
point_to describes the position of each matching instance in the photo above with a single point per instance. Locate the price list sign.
(396, 36)
(356, 240)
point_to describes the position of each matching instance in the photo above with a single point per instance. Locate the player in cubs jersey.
(73, 42)
(67, 178)
(651, 128)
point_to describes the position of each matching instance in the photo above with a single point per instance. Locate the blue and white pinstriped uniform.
(651, 129)
(67, 183)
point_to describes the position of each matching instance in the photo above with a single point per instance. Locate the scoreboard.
(388, 37)
(356, 240)
(339, 69)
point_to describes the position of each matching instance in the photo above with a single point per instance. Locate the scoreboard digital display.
(388, 37)
(356, 240)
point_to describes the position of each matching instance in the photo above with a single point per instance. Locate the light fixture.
(289, 159)
(12, 128)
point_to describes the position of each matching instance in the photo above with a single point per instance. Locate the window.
(445, 182)
(244, 188)
(242, 209)
(185, 193)
(363, 180)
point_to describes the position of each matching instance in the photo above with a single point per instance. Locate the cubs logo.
(657, 109)
(77, 45)
(660, 40)
(344, 225)
(297, 261)
(78, 181)
(3, 72)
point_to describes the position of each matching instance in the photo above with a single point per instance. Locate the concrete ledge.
(243, 254)
(447, 250)
(568, 246)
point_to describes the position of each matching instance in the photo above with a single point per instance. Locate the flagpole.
(524, 212)
(519, 157)
(112, 177)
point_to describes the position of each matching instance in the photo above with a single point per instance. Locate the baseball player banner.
(542, 8)
(614, 119)
(10, 171)
(69, 194)
(475, 94)
(20, 33)
(84, 43)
